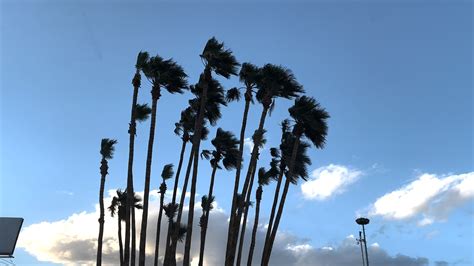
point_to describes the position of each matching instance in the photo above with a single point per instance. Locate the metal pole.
(365, 245)
(361, 248)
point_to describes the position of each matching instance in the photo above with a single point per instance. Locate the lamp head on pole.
(362, 221)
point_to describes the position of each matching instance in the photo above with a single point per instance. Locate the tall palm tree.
(184, 129)
(277, 162)
(249, 75)
(310, 122)
(169, 75)
(258, 139)
(264, 178)
(142, 59)
(166, 174)
(274, 82)
(225, 144)
(118, 206)
(107, 152)
(223, 63)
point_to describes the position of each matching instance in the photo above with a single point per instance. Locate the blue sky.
(395, 76)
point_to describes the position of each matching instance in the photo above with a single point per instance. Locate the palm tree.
(225, 145)
(118, 206)
(249, 75)
(167, 173)
(171, 76)
(258, 138)
(264, 178)
(277, 165)
(142, 59)
(106, 151)
(223, 63)
(310, 122)
(273, 82)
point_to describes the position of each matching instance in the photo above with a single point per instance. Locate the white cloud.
(329, 180)
(248, 143)
(72, 241)
(429, 196)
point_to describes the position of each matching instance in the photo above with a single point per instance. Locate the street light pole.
(363, 221)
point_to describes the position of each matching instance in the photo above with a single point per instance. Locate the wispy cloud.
(428, 198)
(329, 180)
(65, 192)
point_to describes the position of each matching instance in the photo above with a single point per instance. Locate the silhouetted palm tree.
(118, 206)
(166, 174)
(274, 82)
(225, 145)
(310, 122)
(141, 61)
(107, 152)
(170, 76)
(264, 178)
(223, 63)
(258, 137)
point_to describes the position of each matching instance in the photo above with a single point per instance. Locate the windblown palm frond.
(142, 112)
(302, 159)
(181, 231)
(277, 81)
(219, 59)
(311, 118)
(167, 172)
(165, 73)
(258, 138)
(142, 60)
(107, 148)
(249, 74)
(207, 203)
(232, 95)
(170, 210)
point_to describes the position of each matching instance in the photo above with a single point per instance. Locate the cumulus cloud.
(248, 143)
(72, 241)
(329, 180)
(428, 198)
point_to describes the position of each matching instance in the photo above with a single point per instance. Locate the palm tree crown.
(165, 73)
(311, 120)
(107, 148)
(219, 59)
(226, 149)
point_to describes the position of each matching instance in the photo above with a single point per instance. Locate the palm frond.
(277, 81)
(311, 118)
(107, 148)
(206, 154)
(249, 74)
(258, 138)
(173, 77)
(142, 112)
(170, 210)
(142, 60)
(181, 230)
(167, 172)
(206, 203)
(219, 59)
(233, 95)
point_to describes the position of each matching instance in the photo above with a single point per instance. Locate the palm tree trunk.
(170, 258)
(103, 169)
(120, 240)
(175, 191)
(133, 250)
(235, 223)
(255, 225)
(196, 144)
(158, 229)
(141, 257)
(205, 214)
(274, 206)
(136, 84)
(244, 223)
(282, 201)
(248, 99)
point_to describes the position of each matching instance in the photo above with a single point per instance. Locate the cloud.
(72, 241)
(248, 143)
(329, 180)
(429, 198)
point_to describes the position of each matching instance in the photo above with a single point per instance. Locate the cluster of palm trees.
(267, 84)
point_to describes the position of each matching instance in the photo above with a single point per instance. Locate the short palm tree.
(310, 122)
(166, 174)
(107, 152)
(118, 206)
(264, 178)
(169, 75)
(273, 82)
(223, 63)
(142, 59)
(226, 151)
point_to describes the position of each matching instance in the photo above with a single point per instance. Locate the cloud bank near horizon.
(72, 241)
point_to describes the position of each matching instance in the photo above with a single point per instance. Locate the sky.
(395, 76)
